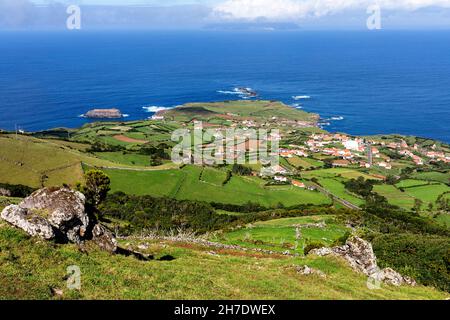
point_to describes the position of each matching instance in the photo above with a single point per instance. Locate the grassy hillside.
(32, 269)
(38, 162)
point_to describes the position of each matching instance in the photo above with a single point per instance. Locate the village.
(334, 150)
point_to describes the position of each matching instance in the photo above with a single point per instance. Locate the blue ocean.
(359, 82)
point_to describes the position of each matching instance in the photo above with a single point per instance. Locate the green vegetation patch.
(281, 234)
(395, 196)
(338, 172)
(126, 158)
(188, 184)
(427, 193)
(337, 188)
(305, 163)
(433, 176)
(30, 269)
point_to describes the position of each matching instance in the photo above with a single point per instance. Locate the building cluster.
(344, 149)
(417, 153)
(348, 150)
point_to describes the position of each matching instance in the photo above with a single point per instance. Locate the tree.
(391, 180)
(417, 205)
(97, 187)
(360, 186)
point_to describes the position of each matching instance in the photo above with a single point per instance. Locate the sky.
(173, 14)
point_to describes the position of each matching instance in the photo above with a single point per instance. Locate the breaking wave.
(242, 92)
(154, 109)
(301, 97)
(336, 118)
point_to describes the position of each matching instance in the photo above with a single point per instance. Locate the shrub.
(17, 190)
(313, 245)
(424, 258)
(228, 178)
(342, 240)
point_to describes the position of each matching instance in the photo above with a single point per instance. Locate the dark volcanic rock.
(104, 238)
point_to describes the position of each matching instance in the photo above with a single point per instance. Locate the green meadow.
(305, 163)
(395, 196)
(281, 234)
(338, 172)
(127, 158)
(190, 183)
(336, 186)
(427, 193)
(443, 177)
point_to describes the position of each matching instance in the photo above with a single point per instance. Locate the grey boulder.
(359, 254)
(59, 214)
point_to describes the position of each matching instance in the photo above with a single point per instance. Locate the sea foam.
(301, 97)
(154, 109)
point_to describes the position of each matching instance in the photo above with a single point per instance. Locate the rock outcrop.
(58, 214)
(359, 254)
(104, 114)
(31, 223)
(63, 209)
(306, 271)
(5, 193)
(104, 238)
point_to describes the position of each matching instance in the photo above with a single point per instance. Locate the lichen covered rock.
(59, 214)
(26, 220)
(359, 254)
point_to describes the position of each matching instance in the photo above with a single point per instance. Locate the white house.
(351, 145)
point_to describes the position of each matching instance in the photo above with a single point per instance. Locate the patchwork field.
(185, 184)
(427, 193)
(336, 187)
(128, 134)
(433, 176)
(395, 196)
(305, 163)
(338, 172)
(408, 183)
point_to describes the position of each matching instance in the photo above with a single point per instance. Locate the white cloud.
(296, 9)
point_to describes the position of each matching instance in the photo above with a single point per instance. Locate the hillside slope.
(38, 162)
(34, 269)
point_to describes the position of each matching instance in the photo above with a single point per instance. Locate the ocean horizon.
(361, 83)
